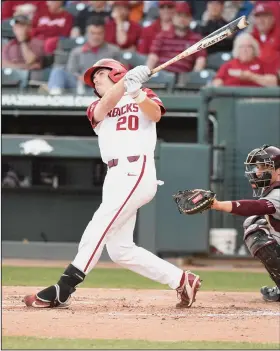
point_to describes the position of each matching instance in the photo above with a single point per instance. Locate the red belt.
(115, 161)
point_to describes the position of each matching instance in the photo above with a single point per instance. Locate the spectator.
(236, 8)
(120, 30)
(81, 58)
(166, 12)
(267, 32)
(51, 24)
(168, 44)
(246, 69)
(96, 8)
(215, 21)
(28, 8)
(23, 52)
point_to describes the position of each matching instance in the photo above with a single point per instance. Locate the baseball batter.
(124, 118)
(262, 228)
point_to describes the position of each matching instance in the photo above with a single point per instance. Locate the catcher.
(262, 226)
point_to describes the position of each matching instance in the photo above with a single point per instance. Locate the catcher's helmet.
(269, 158)
(117, 69)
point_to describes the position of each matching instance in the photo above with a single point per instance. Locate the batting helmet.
(117, 69)
(266, 156)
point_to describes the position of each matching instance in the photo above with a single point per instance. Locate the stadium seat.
(214, 61)
(12, 78)
(7, 30)
(132, 59)
(74, 9)
(194, 80)
(65, 45)
(37, 77)
(162, 80)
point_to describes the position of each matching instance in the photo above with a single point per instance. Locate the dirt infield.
(145, 314)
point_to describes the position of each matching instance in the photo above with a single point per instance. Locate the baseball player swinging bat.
(211, 39)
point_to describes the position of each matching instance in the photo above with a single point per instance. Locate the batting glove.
(139, 73)
(132, 87)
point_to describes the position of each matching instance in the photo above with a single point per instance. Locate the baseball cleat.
(270, 294)
(188, 289)
(35, 302)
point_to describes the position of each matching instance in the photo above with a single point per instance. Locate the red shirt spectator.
(120, 30)
(267, 32)
(10, 8)
(231, 70)
(166, 11)
(53, 22)
(246, 69)
(23, 52)
(167, 45)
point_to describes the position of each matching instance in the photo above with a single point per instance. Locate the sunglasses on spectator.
(166, 7)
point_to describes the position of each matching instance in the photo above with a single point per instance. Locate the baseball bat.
(211, 39)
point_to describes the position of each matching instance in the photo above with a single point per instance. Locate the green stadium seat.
(215, 61)
(74, 9)
(194, 80)
(162, 80)
(132, 59)
(6, 28)
(14, 78)
(65, 45)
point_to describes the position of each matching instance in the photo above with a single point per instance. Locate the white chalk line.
(263, 313)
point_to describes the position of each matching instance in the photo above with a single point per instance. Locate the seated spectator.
(168, 44)
(51, 24)
(120, 30)
(23, 52)
(215, 21)
(164, 22)
(267, 32)
(234, 9)
(96, 8)
(246, 69)
(28, 8)
(81, 58)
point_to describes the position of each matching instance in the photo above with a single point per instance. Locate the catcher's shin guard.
(263, 246)
(60, 293)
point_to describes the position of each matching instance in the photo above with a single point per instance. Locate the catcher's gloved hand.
(139, 73)
(194, 201)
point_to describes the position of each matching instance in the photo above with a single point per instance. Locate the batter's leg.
(122, 250)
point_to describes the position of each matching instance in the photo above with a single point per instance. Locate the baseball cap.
(166, 3)
(183, 7)
(20, 19)
(262, 8)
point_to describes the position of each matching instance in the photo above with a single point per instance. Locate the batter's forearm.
(109, 101)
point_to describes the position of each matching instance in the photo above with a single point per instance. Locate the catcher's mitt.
(194, 201)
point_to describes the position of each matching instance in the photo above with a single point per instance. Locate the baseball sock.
(65, 286)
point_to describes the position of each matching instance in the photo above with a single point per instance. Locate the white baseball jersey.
(125, 131)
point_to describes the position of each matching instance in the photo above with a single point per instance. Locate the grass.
(121, 278)
(22, 343)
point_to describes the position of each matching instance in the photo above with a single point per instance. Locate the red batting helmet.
(117, 69)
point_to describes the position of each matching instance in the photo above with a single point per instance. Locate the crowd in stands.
(152, 31)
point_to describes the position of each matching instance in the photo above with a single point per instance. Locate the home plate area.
(146, 315)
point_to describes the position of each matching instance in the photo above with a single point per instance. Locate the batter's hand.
(132, 87)
(139, 73)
